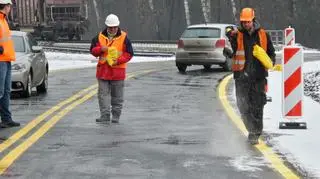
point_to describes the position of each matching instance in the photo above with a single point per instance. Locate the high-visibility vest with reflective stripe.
(117, 42)
(6, 41)
(239, 59)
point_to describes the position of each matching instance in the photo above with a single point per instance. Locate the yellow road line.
(275, 160)
(17, 135)
(7, 160)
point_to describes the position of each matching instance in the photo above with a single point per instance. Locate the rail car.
(51, 19)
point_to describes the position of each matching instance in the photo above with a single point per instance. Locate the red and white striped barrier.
(289, 36)
(292, 88)
(292, 84)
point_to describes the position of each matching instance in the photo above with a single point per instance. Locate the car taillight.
(180, 44)
(221, 43)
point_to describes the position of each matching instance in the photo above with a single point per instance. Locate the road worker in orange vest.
(7, 55)
(249, 72)
(114, 50)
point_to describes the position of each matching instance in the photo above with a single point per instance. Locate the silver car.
(31, 66)
(203, 44)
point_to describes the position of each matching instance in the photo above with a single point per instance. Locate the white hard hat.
(112, 20)
(5, 2)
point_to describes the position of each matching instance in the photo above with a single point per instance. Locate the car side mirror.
(36, 49)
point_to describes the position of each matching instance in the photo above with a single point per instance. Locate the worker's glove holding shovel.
(277, 67)
(230, 31)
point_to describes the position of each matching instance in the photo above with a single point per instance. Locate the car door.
(37, 61)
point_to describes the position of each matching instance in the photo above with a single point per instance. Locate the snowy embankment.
(62, 61)
(312, 81)
(311, 72)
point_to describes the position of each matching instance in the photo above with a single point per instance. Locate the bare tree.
(97, 13)
(205, 6)
(151, 4)
(292, 11)
(234, 11)
(187, 11)
(219, 11)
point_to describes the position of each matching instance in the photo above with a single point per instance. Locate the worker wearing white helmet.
(7, 55)
(114, 50)
(112, 20)
(5, 2)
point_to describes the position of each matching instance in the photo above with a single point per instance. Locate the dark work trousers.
(110, 94)
(251, 98)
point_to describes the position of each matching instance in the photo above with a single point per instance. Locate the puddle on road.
(57, 146)
(176, 140)
(171, 140)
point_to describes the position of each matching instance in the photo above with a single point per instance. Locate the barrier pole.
(292, 89)
(289, 36)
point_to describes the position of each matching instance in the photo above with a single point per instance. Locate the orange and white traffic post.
(292, 87)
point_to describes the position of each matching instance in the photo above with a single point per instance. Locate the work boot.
(103, 119)
(115, 119)
(8, 124)
(253, 139)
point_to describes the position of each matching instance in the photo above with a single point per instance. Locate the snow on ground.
(62, 61)
(299, 147)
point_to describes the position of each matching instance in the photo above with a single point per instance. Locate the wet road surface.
(173, 126)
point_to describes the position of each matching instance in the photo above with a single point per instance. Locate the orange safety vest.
(239, 59)
(6, 41)
(117, 42)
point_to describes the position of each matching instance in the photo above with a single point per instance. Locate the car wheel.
(27, 90)
(181, 67)
(43, 87)
(207, 67)
(227, 65)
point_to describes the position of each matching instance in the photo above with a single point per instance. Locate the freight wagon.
(51, 19)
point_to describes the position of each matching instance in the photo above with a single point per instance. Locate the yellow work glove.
(110, 61)
(262, 56)
(112, 53)
(277, 67)
(112, 56)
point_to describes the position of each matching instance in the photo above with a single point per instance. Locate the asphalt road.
(173, 126)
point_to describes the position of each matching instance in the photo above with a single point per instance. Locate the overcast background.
(166, 19)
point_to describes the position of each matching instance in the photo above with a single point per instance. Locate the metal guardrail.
(277, 36)
(139, 49)
(145, 47)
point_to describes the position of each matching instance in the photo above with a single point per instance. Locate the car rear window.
(201, 33)
(18, 43)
